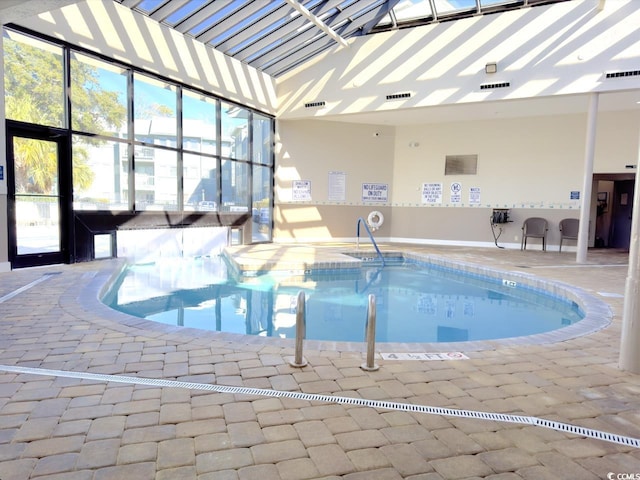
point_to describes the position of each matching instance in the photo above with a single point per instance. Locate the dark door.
(622, 210)
(38, 177)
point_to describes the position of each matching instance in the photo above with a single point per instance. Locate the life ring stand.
(375, 219)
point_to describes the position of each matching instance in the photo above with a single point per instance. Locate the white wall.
(522, 162)
(559, 49)
(309, 150)
(530, 165)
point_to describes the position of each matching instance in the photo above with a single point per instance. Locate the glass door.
(37, 208)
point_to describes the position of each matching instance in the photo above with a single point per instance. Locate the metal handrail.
(301, 326)
(370, 336)
(366, 226)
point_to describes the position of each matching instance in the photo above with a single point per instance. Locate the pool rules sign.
(375, 192)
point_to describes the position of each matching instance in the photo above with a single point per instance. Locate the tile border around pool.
(598, 315)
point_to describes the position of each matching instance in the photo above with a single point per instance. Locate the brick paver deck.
(54, 427)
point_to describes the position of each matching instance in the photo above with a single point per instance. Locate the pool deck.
(90, 393)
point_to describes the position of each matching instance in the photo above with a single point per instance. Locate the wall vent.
(630, 73)
(315, 104)
(398, 96)
(461, 164)
(486, 86)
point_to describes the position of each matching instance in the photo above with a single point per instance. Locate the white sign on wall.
(474, 195)
(337, 187)
(375, 192)
(456, 192)
(431, 193)
(301, 191)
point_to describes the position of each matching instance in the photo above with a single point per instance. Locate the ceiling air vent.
(398, 96)
(630, 73)
(314, 104)
(486, 86)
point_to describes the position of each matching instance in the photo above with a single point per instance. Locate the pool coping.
(598, 314)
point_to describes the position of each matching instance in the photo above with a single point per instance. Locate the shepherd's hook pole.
(298, 360)
(370, 365)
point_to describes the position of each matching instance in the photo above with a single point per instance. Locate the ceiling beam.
(433, 10)
(317, 22)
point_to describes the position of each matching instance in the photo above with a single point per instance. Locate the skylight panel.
(407, 10)
(386, 20)
(148, 6)
(314, 3)
(244, 23)
(264, 50)
(444, 7)
(491, 3)
(202, 26)
(184, 12)
(258, 35)
(358, 9)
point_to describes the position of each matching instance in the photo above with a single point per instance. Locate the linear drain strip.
(406, 407)
(9, 296)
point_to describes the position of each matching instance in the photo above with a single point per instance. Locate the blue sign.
(575, 195)
(1, 172)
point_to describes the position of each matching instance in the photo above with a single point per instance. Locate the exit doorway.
(614, 210)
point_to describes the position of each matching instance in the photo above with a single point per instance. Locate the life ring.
(375, 219)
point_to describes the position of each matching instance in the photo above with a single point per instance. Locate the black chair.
(534, 227)
(568, 229)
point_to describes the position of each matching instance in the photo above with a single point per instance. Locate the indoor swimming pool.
(415, 301)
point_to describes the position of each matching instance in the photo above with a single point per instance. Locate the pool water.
(415, 302)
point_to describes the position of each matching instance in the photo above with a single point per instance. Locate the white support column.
(585, 194)
(630, 337)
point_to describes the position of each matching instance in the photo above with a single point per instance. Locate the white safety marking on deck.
(26, 287)
(406, 407)
(425, 356)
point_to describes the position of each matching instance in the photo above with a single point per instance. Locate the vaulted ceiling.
(275, 36)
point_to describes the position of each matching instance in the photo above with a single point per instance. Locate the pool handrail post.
(370, 365)
(299, 360)
(366, 226)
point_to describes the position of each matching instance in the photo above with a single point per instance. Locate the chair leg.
(560, 249)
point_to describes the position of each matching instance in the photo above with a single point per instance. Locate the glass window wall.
(261, 211)
(176, 149)
(33, 80)
(200, 180)
(98, 97)
(155, 111)
(235, 132)
(262, 140)
(199, 114)
(235, 186)
(100, 174)
(156, 179)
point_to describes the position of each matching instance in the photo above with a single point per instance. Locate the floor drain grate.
(26, 287)
(407, 407)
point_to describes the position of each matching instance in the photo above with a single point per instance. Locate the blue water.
(414, 302)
